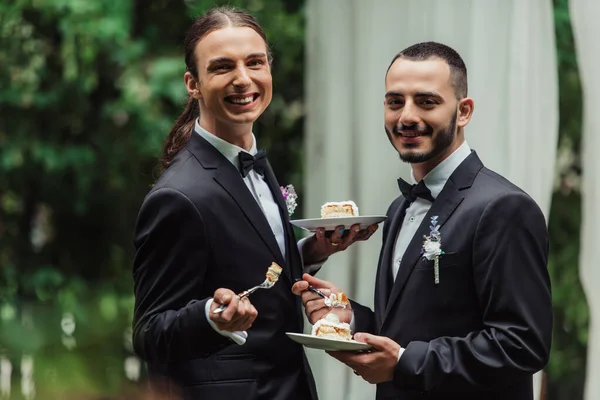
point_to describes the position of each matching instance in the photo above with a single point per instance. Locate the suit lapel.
(384, 281)
(443, 206)
(230, 179)
(290, 240)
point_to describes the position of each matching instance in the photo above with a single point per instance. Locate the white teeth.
(245, 100)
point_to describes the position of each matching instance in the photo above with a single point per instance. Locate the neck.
(237, 134)
(421, 169)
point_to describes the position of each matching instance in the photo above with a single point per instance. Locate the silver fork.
(267, 284)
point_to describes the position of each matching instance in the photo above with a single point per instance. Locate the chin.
(415, 155)
(247, 118)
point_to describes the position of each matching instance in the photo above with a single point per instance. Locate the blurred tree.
(89, 91)
(566, 370)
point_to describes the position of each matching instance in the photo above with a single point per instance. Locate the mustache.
(412, 128)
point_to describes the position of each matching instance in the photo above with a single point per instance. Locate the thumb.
(223, 296)
(316, 282)
(299, 287)
(378, 342)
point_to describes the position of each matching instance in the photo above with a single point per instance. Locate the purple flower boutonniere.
(290, 196)
(432, 247)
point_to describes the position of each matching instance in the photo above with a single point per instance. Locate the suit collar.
(444, 205)
(436, 179)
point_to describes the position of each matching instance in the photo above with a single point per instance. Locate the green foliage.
(566, 369)
(89, 92)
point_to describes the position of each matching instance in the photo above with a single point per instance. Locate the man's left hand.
(376, 366)
(324, 243)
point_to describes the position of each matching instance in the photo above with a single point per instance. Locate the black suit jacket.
(200, 229)
(485, 329)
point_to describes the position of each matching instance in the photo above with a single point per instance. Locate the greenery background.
(88, 91)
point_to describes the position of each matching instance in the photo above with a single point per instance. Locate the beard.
(441, 142)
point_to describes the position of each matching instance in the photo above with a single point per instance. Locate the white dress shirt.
(262, 194)
(435, 181)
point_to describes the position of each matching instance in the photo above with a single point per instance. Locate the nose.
(409, 115)
(242, 79)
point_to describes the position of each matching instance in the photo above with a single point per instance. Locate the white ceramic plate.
(320, 343)
(330, 224)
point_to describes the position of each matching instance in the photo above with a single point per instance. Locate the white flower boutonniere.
(432, 247)
(290, 196)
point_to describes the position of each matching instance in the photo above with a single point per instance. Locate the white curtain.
(584, 20)
(508, 46)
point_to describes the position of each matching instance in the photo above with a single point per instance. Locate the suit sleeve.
(510, 254)
(169, 268)
(363, 318)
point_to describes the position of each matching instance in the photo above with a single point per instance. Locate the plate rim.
(364, 346)
(337, 218)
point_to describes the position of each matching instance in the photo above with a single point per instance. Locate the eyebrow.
(418, 94)
(225, 59)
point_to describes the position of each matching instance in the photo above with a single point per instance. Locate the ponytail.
(180, 133)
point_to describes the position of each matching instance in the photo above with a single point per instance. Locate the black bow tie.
(248, 162)
(411, 192)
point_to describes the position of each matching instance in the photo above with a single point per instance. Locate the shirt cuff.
(238, 336)
(312, 268)
(400, 352)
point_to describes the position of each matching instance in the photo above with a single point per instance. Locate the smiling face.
(423, 118)
(234, 80)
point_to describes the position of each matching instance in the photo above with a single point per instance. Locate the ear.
(192, 85)
(465, 111)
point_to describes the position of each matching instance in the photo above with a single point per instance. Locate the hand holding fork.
(272, 277)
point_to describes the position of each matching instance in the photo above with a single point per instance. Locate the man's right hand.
(239, 314)
(314, 305)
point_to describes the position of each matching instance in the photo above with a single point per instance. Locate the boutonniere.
(290, 196)
(432, 247)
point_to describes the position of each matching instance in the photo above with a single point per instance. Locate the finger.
(316, 305)
(314, 317)
(371, 230)
(320, 234)
(309, 296)
(223, 296)
(350, 236)
(250, 315)
(367, 233)
(336, 236)
(378, 342)
(316, 313)
(299, 287)
(232, 307)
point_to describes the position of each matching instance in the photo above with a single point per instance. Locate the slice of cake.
(339, 209)
(330, 327)
(337, 300)
(273, 272)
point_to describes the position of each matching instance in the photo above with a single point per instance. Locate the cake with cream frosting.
(339, 209)
(337, 300)
(330, 327)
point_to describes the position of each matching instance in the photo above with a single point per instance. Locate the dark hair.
(214, 19)
(427, 50)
